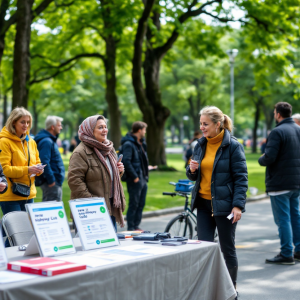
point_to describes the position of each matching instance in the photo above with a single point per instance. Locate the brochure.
(51, 228)
(94, 224)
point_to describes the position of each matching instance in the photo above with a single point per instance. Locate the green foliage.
(195, 68)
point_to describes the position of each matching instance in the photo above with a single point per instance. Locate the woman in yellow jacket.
(17, 162)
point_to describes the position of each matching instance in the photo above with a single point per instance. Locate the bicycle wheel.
(180, 226)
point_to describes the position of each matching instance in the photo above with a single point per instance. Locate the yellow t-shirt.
(207, 164)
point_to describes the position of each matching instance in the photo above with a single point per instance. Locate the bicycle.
(182, 225)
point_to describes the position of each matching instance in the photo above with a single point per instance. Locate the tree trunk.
(3, 12)
(269, 116)
(155, 114)
(194, 112)
(4, 109)
(255, 127)
(35, 118)
(110, 92)
(2, 44)
(21, 64)
(172, 134)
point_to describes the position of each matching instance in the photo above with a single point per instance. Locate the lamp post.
(232, 53)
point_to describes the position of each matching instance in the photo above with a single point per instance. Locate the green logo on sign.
(61, 214)
(55, 249)
(102, 209)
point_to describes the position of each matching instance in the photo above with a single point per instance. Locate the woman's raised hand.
(194, 165)
(120, 166)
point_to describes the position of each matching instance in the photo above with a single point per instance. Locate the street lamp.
(232, 53)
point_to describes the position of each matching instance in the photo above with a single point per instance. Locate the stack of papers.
(117, 254)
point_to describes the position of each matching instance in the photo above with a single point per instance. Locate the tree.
(160, 39)
(21, 53)
(23, 17)
(104, 23)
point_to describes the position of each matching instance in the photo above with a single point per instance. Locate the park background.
(157, 61)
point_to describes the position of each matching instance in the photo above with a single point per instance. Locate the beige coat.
(88, 177)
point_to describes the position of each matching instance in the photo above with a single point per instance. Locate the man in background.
(136, 164)
(54, 173)
(282, 159)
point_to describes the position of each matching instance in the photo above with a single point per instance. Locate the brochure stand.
(51, 228)
(94, 223)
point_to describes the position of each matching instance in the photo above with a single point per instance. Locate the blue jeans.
(287, 217)
(9, 206)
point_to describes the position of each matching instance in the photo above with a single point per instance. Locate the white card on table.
(94, 223)
(51, 228)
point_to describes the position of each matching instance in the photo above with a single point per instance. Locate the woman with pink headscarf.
(94, 170)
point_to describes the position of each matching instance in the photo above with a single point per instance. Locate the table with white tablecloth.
(189, 272)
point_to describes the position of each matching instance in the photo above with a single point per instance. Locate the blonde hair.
(216, 115)
(16, 114)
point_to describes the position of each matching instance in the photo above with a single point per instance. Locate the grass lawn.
(159, 182)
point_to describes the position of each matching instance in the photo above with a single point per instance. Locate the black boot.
(233, 274)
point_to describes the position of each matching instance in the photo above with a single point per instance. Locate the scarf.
(102, 150)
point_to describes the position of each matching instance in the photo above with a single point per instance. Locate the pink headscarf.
(86, 135)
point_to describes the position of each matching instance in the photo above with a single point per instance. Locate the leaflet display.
(3, 258)
(51, 228)
(94, 224)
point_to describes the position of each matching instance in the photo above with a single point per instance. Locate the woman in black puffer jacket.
(220, 171)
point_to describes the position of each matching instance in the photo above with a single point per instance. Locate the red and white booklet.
(44, 266)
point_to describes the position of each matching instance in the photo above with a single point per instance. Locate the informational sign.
(94, 224)
(3, 258)
(51, 228)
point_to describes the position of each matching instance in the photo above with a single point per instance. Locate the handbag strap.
(28, 164)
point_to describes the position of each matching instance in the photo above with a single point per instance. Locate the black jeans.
(206, 226)
(137, 199)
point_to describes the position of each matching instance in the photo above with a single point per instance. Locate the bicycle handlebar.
(169, 194)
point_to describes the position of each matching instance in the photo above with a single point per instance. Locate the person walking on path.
(219, 168)
(54, 174)
(94, 170)
(282, 159)
(135, 161)
(20, 159)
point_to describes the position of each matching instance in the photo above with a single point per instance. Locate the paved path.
(256, 240)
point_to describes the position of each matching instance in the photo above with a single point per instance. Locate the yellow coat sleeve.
(5, 160)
